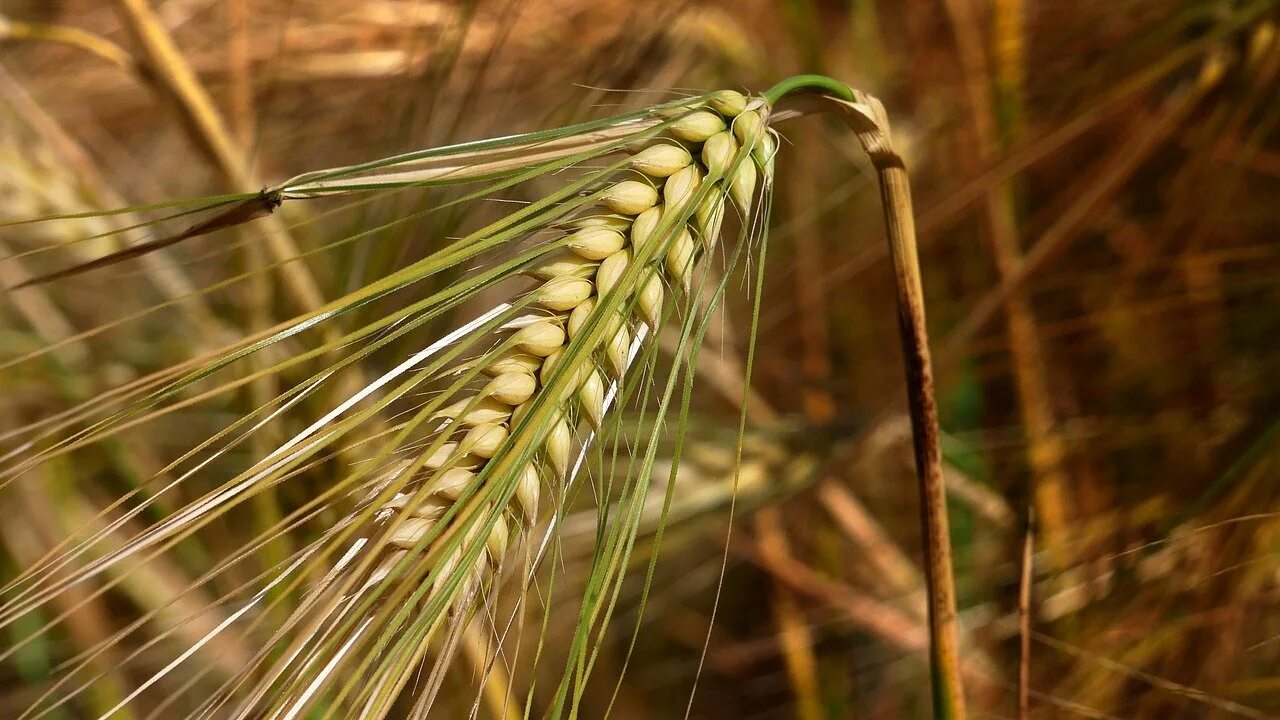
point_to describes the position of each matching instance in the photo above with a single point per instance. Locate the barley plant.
(454, 465)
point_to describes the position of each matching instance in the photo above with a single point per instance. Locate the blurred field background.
(1098, 198)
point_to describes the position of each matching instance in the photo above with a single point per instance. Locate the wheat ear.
(458, 505)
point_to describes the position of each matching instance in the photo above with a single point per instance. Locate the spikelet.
(540, 339)
(611, 271)
(679, 260)
(563, 293)
(681, 188)
(662, 160)
(728, 103)
(645, 225)
(697, 126)
(511, 388)
(748, 129)
(513, 361)
(649, 300)
(630, 197)
(743, 185)
(563, 263)
(596, 243)
(718, 153)
(579, 317)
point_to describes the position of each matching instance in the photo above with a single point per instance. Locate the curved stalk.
(866, 117)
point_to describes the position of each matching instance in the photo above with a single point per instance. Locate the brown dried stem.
(866, 117)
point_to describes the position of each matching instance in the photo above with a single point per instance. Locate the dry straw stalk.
(869, 122)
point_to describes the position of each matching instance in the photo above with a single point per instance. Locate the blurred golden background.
(1097, 190)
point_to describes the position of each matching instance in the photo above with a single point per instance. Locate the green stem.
(808, 83)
